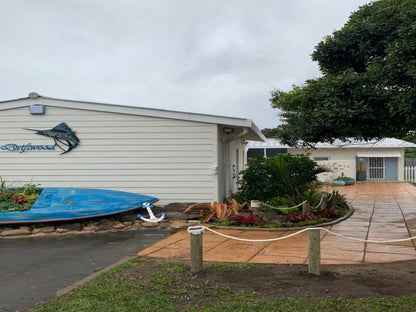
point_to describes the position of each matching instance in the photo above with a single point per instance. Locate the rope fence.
(305, 204)
(314, 250)
(197, 229)
(284, 208)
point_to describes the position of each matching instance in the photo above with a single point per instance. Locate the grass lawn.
(149, 285)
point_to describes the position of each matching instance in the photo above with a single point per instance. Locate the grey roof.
(254, 132)
(351, 143)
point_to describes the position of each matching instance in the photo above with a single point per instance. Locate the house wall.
(233, 161)
(170, 159)
(237, 162)
(343, 161)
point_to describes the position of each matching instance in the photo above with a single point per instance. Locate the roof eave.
(254, 132)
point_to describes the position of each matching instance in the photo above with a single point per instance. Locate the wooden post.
(305, 207)
(255, 207)
(323, 202)
(314, 251)
(196, 251)
(332, 201)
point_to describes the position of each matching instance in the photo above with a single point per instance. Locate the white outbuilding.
(174, 156)
(374, 160)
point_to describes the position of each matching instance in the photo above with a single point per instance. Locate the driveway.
(33, 269)
(383, 211)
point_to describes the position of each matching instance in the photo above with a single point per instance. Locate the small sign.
(64, 138)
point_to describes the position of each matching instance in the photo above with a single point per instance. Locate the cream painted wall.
(343, 160)
(170, 159)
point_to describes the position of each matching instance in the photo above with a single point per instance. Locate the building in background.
(363, 160)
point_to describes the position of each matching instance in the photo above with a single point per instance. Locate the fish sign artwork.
(64, 137)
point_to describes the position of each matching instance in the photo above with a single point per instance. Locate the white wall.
(343, 160)
(170, 159)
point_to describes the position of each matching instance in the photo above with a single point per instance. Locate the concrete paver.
(383, 211)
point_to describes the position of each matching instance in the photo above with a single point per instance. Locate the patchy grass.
(154, 285)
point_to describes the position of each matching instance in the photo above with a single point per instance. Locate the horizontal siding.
(130, 174)
(37, 158)
(168, 159)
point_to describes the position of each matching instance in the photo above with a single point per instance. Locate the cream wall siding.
(169, 159)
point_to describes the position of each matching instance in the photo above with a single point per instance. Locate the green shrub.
(285, 175)
(278, 202)
(313, 196)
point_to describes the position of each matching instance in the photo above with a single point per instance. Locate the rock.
(149, 224)
(89, 228)
(105, 225)
(193, 222)
(128, 223)
(128, 218)
(271, 217)
(164, 225)
(118, 226)
(179, 224)
(61, 230)
(174, 215)
(177, 207)
(67, 227)
(46, 230)
(136, 225)
(16, 232)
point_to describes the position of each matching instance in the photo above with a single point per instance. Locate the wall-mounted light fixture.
(228, 130)
(37, 109)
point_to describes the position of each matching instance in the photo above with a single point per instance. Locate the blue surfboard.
(64, 204)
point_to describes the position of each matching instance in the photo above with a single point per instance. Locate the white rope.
(332, 194)
(320, 202)
(285, 207)
(199, 229)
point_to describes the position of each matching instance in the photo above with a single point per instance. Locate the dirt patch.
(292, 281)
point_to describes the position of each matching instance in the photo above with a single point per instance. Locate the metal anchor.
(152, 218)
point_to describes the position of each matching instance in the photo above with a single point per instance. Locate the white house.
(376, 159)
(174, 156)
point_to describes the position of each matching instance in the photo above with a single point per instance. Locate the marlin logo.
(63, 136)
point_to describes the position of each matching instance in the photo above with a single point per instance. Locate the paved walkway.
(383, 211)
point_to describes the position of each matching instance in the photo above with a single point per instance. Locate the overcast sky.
(219, 57)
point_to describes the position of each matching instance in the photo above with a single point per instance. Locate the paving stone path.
(383, 211)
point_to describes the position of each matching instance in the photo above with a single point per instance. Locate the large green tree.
(367, 89)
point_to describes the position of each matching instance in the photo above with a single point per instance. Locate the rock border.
(121, 222)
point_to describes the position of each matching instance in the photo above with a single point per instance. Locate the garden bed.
(319, 209)
(294, 227)
(18, 199)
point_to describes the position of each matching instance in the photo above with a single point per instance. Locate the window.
(266, 152)
(254, 152)
(275, 151)
(376, 168)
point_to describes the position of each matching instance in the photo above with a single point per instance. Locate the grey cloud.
(216, 57)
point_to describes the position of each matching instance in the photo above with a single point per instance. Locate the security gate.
(376, 168)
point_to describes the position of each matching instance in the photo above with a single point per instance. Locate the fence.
(410, 174)
(314, 247)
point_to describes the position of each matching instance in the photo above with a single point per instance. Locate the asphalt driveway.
(33, 269)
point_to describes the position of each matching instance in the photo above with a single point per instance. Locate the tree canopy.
(367, 89)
